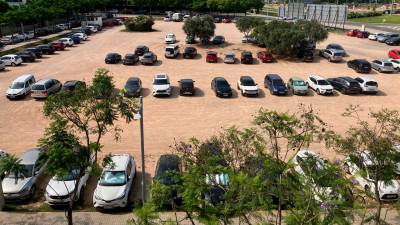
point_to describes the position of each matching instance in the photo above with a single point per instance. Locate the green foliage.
(10, 164)
(139, 23)
(247, 24)
(202, 27)
(145, 215)
(353, 15)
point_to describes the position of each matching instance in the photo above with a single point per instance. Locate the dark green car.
(297, 86)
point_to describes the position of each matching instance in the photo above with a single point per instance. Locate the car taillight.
(44, 92)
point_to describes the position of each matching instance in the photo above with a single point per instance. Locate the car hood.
(60, 188)
(108, 193)
(132, 89)
(161, 87)
(14, 91)
(392, 188)
(324, 87)
(224, 89)
(279, 88)
(250, 88)
(11, 185)
(169, 39)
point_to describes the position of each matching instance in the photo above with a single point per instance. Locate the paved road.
(379, 27)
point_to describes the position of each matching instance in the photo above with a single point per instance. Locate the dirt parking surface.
(179, 118)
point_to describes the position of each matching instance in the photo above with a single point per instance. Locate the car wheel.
(13, 64)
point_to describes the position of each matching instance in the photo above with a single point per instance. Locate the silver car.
(229, 58)
(382, 66)
(332, 55)
(23, 185)
(387, 36)
(44, 88)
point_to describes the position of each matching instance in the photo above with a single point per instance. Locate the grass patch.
(385, 19)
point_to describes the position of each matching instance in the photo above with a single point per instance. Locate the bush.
(353, 15)
(139, 23)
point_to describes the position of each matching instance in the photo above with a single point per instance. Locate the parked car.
(212, 56)
(60, 188)
(172, 51)
(26, 56)
(186, 87)
(396, 63)
(168, 172)
(80, 35)
(190, 53)
(246, 57)
(10, 39)
(41, 32)
(393, 41)
(47, 49)
(93, 29)
(247, 86)
(141, 50)
(2, 65)
(352, 32)
(20, 87)
(265, 57)
(359, 65)
(230, 58)
(306, 55)
(217, 20)
(361, 167)
(67, 41)
(148, 58)
(38, 52)
(275, 84)
(75, 39)
(387, 36)
(22, 185)
(218, 40)
(331, 54)
(248, 39)
(320, 85)
(382, 66)
(44, 88)
(363, 34)
(133, 87)
(170, 38)
(346, 85)
(221, 87)
(166, 19)
(367, 84)
(226, 20)
(113, 58)
(297, 86)
(130, 59)
(115, 183)
(216, 186)
(11, 60)
(72, 85)
(337, 48)
(374, 37)
(190, 39)
(161, 85)
(394, 54)
(58, 45)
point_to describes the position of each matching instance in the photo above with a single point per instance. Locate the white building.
(15, 2)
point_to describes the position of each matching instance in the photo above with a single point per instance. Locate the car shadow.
(211, 46)
(197, 93)
(145, 92)
(158, 63)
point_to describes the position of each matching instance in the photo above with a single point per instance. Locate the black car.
(113, 58)
(41, 32)
(130, 59)
(186, 87)
(306, 55)
(141, 49)
(221, 87)
(360, 65)
(218, 40)
(275, 84)
(27, 56)
(345, 85)
(190, 53)
(72, 85)
(190, 40)
(47, 49)
(168, 172)
(133, 87)
(246, 57)
(36, 51)
(393, 41)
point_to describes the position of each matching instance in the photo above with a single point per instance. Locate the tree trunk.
(280, 201)
(69, 216)
(378, 199)
(2, 201)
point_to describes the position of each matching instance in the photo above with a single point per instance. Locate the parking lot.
(179, 118)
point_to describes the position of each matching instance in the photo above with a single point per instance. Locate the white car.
(67, 41)
(115, 183)
(161, 85)
(170, 38)
(186, 17)
(20, 87)
(319, 85)
(167, 19)
(247, 86)
(367, 84)
(92, 29)
(374, 37)
(82, 36)
(62, 26)
(395, 63)
(59, 189)
(171, 51)
(11, 60)
(361, 169)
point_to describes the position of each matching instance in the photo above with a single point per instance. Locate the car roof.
(367, 78)
(246, 78)
(349, 79)
(30, 156)
(148, 53)
(186, 81)
(361, 60)
(220, 78)
(317, 77)
(119, 162)
(211, 52)
(171, 46)
(71, 82)
(43, 81)
(133, 79)
(168, 162)
(112, 53)
(246, 52)
(384, 60)
(23, 78)
(274, 76)
(141, 46)
(229, 54)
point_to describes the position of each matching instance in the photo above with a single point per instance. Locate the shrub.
(353, 15)
(139, 23)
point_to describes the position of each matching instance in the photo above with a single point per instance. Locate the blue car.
(275, 84)
(76, 39)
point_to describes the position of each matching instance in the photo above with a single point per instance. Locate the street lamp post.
(142, 151)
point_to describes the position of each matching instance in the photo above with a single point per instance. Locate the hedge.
(352, 15)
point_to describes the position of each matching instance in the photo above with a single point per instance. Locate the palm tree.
(8, 164)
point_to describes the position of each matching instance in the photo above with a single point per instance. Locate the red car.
(363, 34)
(394, 54)
(226, 20)
(353, 32)
(265, 57)
(58, 46)
(212, 57)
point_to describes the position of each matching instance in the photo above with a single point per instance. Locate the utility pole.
(142, 151)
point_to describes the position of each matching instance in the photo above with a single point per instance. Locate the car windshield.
(222, 83)
(387, 64)
(148, 56)
(212, 54)
(111, 56)
(187, 84)
(170, 36)
(278, 82)
(338, 47)
(188, 50)
(337, 54)
(38, 87)
(248, 82)
(26, 172)
(71, 176)
(113, 178)
(299, 83)
(322, 82)
(160, 81)
(18, 85)
(129, 56)
(132, 83)
(371, 83)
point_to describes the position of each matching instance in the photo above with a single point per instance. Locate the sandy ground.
(179, 118)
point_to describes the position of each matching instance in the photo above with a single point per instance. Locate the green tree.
(4, 7)
(246, 24)
(202, 27)
(139, 23)
(9, 164)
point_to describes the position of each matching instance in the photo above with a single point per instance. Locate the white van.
(177, 17)
(21, 87)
